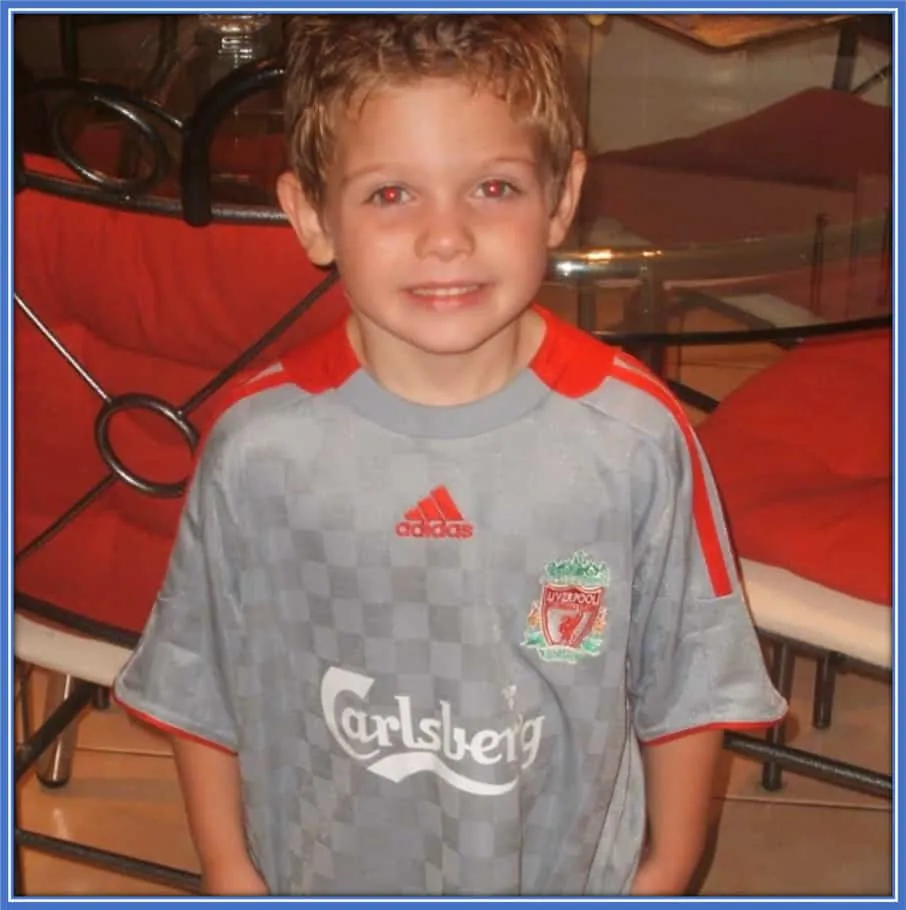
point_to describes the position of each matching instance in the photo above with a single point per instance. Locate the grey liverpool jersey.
(436, 637)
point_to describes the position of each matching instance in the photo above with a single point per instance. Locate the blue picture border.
(43, 6)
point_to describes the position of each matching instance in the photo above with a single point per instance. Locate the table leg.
(846, 56)
(587, 316)
(650, 316)
(69, 46)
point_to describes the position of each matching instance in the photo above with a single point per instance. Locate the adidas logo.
(435, 516)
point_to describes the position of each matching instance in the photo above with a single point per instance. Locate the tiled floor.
(807, 838)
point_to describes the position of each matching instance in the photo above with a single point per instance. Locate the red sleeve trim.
(168, 728)
(742, 725)
(702, 513)
(569, 361)
(324, 362)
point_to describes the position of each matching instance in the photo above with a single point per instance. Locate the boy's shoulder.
(316, 365)
(607, 381)
(250, 404)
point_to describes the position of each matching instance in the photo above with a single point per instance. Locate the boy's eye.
(496, 189)
(388, 195)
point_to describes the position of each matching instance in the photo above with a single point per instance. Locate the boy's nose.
(445, 234)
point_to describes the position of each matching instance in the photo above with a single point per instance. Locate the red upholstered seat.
(147, 304)
(802, 456)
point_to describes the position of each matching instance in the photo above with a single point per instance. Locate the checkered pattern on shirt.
(308, 497)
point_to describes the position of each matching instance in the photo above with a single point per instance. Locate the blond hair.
(333, 62)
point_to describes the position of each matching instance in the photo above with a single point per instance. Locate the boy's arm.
(695, 665)
(209, 778)
(679, 775)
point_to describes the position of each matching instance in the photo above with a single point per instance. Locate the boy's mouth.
(446, 297)
(444, 290)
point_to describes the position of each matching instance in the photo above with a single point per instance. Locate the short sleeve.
(694, 657)
(179, 676)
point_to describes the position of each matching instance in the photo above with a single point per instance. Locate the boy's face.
(438, 212)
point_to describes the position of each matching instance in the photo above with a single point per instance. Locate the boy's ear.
(563, 214)
(305, 219)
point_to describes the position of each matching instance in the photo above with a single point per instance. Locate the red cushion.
(147, 304)
(801, 454)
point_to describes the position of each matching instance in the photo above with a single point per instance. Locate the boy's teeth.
(444, 292)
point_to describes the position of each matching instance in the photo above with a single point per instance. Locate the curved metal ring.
(156, 406)
(124, 185)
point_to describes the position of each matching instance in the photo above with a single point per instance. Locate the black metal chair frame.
(72, 24)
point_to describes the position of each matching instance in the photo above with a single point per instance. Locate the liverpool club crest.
(567, 620)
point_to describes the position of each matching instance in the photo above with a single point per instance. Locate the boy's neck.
(444, 380)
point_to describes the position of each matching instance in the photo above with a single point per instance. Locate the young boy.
(451, 607)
